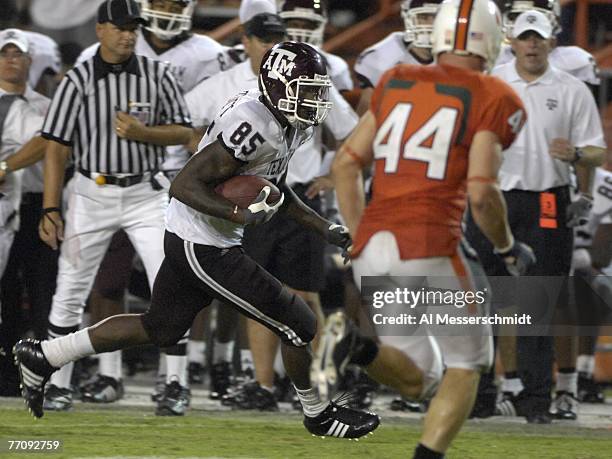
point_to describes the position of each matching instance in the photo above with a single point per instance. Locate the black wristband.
(578, 154)
(48, 210)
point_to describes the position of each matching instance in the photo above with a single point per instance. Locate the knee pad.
(299, 322)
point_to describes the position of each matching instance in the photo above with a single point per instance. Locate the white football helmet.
(462, 30)
(167, 25)
(314, 11)
(416, 30)
(513, 8)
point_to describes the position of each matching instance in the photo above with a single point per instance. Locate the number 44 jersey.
(259, 142)
(426, 119)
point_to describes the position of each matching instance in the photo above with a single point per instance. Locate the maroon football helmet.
(293, 78)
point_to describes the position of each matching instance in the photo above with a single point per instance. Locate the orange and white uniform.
(426, 118)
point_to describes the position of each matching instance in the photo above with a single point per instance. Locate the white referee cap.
(250, 8)
(14, 37)
(532, 20)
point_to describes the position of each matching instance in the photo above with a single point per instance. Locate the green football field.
(136, 432)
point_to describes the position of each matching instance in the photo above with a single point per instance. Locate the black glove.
(577, 213)
(339, 236)
(518, 259)
(259, 211)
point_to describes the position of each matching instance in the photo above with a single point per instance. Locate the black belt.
(103, 179)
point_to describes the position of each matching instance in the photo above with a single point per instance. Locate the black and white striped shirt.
(82, 113)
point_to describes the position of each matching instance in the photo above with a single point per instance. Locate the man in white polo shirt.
(563, 129)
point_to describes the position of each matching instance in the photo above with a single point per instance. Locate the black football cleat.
(341, 422)
(333, 354)
(251, 396)
(102, 389)
(174, 400)
(589, 391)
(564, 406)
(34, 372)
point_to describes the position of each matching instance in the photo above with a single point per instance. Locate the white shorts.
(472, 347)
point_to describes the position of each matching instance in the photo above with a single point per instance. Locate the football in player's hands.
(242, 190)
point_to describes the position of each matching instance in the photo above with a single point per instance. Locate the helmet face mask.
(167, 25)
(513, 8)
(294, 80)
(305, 11)
(307, 101)
(418, 16)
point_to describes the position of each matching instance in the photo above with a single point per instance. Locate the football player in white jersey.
(204, 101)
(571, 59)
(262, 29)
(46, 63)
(412, 46)
(591, 262)
(255, 134)
(193, 58)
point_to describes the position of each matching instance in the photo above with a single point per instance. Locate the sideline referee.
(115, 112)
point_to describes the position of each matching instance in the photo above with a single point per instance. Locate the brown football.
(242, 190)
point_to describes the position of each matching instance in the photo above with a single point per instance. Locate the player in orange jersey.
(435, 135)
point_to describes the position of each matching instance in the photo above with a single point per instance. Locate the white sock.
(567, 382)
(161, 367)
(311, 404)
(61, 378)
(513, 385)
(69, 348)
(279, 366)
(196, 351)
(246, 360)
(585, 364)
(177, 369)
(223, 352)
(110, 365)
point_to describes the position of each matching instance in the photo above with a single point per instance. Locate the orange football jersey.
(426, 118)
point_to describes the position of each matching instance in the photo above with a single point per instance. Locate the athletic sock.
(311, 403)
(196, 351)
(585, 364)
(246, 361)
(512, 383)
(110, 365)
(176, 368)
(65, 349)
(567, 381)
(223, 352)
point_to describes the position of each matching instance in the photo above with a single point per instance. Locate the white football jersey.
(45, 56)
(338, 71)
(601, 211)
(380, 57)
(571, 59)
(192, 60)
(252, 135)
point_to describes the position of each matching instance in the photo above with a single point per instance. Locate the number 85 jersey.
(426, 119)
(253, 136)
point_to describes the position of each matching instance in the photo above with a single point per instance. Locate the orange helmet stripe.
(463, 24)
